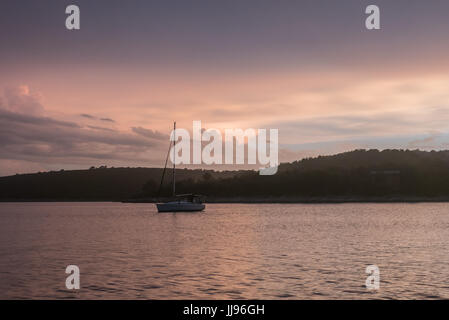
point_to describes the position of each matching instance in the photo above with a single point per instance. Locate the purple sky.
(108, 93)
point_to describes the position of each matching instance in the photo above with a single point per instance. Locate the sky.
(107, 94)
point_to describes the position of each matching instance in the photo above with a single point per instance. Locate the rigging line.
(163, 172)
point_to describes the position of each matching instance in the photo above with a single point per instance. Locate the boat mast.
(174, 158)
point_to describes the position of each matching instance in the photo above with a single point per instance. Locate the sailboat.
(182, 202)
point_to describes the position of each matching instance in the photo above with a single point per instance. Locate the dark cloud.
(150, 133)
(91, 117)
(107, 119)
(34, 120)
(88, 116)
(101, 128)
(44, 140)
(36, 134)
(48, 140)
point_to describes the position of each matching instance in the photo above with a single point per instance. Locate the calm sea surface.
(241, 251)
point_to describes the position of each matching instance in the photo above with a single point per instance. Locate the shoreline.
(309, 200)
(258, 200)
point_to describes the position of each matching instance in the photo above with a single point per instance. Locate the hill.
(360, 175)
(96, 184)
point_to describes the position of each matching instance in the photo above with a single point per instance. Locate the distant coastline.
(374, 176)
(259, 200)
(310, 200)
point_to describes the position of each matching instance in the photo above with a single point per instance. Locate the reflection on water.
(269, 251)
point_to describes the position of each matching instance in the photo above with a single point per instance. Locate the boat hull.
(180, 207)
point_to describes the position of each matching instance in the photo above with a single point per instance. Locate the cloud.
(34, 120)
(362, 125)
(107, 119)
(41, 141)
(46, 138)
(91, 117)
(425, 143)
(88, 116)
(21, 100)
(101, 128)
(150, 133)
